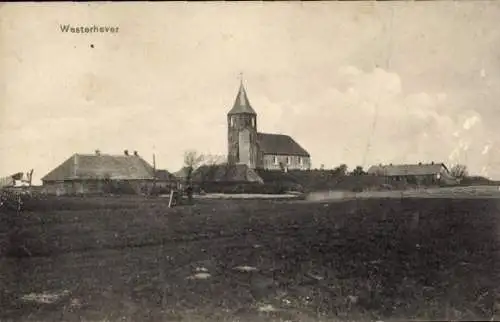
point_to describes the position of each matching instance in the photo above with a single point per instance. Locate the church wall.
(232, 145)
(244, 147)
(292, 162)
(237, 123)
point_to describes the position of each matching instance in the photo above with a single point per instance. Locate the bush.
(156, 191)
(239, 188)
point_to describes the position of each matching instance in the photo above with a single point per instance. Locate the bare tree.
(214, 159)
(193, 160)
(459, 171)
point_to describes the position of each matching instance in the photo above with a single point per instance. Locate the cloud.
(486, 149)
(368, 115)
(471, 121)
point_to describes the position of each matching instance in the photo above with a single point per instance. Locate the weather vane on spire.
(241, 77)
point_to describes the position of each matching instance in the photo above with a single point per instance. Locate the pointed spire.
(242, 104)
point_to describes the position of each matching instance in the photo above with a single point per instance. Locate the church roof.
(280, 144)
(242, 104)
(101, 166)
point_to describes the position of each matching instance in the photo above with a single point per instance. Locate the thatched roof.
(164, 175)
(408, 169)
(101, 166)
(182, 173)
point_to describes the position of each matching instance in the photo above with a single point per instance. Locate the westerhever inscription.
(88, 29)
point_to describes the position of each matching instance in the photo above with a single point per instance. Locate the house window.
(288, 160)
(301, 161)
(275, 159)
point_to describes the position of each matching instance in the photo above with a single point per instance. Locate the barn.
(103, 173)
(420, 174)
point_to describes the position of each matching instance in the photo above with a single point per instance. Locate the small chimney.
(135, 153)
(125, 152)
(432, 162)
(420, 163)
(97, 152)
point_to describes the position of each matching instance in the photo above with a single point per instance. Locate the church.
(260, 150)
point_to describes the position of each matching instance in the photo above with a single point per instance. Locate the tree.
(358, 171)
(194, 160)
(341, 169)
(214, 159)
(459, 171)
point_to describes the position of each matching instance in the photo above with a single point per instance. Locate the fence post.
(171, 199)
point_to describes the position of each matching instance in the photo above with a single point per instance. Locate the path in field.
(482, 192)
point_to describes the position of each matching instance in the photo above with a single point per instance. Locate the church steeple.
(242, 131)
(242, 104)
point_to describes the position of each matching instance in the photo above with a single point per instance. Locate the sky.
(359, 83)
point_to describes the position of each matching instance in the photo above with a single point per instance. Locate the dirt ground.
(134, 259)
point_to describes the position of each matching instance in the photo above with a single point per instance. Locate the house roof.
(100, 166)
(6, 181)
(18, 178)
(164, 175)
(182, 173)
(226, 173)
(280, 144)
(407, 169)
(242, 104)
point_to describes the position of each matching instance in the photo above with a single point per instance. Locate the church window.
(253, 122)
(231, 121)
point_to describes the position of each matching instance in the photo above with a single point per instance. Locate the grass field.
(135, 259)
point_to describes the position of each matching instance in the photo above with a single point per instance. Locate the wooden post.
(154, 176)
(30, 177)
(178, 197)
(171, 199)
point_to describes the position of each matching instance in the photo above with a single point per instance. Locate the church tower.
(242, 131)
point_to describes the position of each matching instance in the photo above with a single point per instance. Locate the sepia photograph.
(250, 161)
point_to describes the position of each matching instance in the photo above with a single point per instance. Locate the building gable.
(64, 170)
